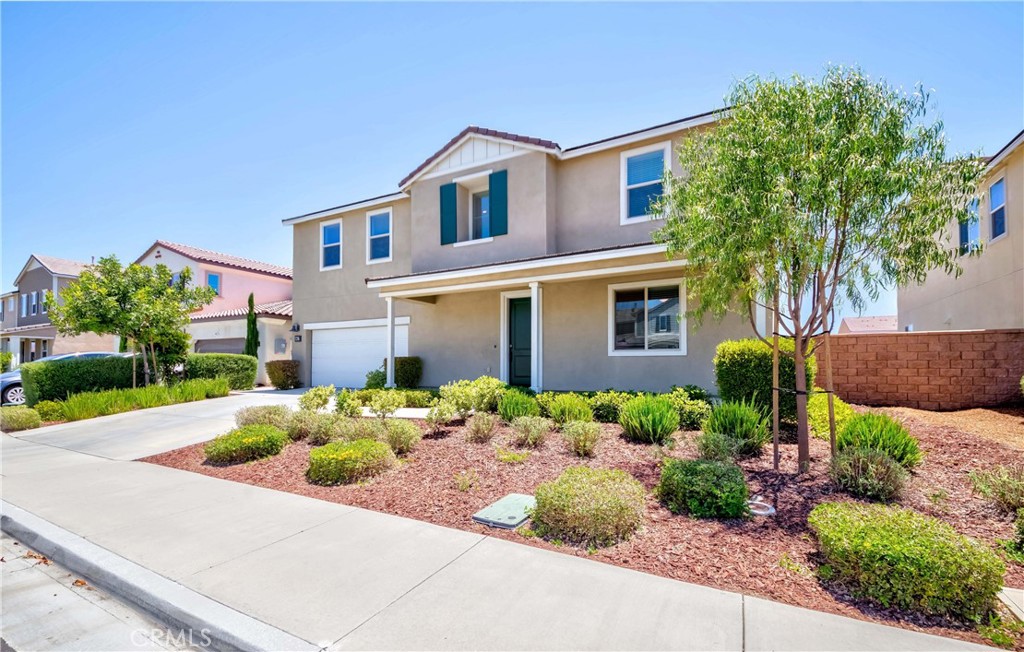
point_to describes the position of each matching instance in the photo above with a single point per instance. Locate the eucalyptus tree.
(816, 192)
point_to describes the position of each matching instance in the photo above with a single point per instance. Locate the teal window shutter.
(449, 214)
(499, 202)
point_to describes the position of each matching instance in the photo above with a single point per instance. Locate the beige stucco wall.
(990, 292)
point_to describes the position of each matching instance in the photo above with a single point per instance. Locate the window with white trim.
(330, 245)
(378, 236)
(24, 305)
(34, 303)
(642, 174)
(970, 231)
(997, 207)
(647, 318)
(42, 302)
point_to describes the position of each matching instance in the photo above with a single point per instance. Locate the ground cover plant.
(245, 444)
(89, 405)
(49, 410)
(817, 414)
(18, 417)
(530, 431)
(345, 462)
(278, 416)
(1003, 485)
(582, 437)
(703, 488)
(589, 506)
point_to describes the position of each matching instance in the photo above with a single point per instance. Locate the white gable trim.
(443, 164)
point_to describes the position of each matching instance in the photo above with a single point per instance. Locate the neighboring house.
(990, 292)
(507, 255)
(27, 331)
(878, 324)
(221, 326)
(8, 317)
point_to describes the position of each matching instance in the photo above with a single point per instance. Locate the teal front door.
(519, 342)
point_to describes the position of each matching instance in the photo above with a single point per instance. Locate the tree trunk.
(156, 367)
(803, 439)
(135, 362)
(145, 365)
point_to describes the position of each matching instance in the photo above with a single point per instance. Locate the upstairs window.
(34, 302)
(480, 215)
(474, 208)
(330, 245)
(997, 207)
(24, 305)
(213, 282)
(970, 232)
(378, 236)
(42, 302)
(642, 173)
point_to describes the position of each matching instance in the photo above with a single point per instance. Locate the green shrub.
(692, 411)
(316, 398)
(582, 437)
(461, 395)
(18, 417)
(606, 405)
(302, 423)
(55, 380)
(88, 405)
(283, 374)
(716, 446)
(385, 404)
(1018, 532)
(268, 415)
(198, 389)
(817, 414)
(401, 435)
(343, 462)
(868, 473)
(50, 410)
(440, 415)
(743, 371)
(346, 404)
(408, 371)
(703, 488)
(569, 407)
(589, 506)
(696, 392)
(240, 370)
(741, 422)
(649, 420)
(326, 427)
(353, 429)
(418, 398)
(1003, 485)
(365, 395)
(530, 431)
(882, 433)
(487, 393)
(515, 404)
(376, 379)
(544, 400)
(6, 358)
(245, 444)
(481, 427)
(899, 558)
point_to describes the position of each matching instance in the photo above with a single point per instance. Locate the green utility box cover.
(508, 513)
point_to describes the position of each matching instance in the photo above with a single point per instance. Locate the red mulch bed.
(771, 557)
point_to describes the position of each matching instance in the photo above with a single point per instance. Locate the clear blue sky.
(209, 123)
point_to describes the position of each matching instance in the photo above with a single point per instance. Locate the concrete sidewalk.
(339, 577)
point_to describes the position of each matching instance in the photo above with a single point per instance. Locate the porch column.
(391, 343)
(536, 338)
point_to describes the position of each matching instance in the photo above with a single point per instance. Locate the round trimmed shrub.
(18, 417)
(514, 404)
(715, 446)
(703, 488)
(567, 407)
(240, 370)
(347, 404)
(881, 433)
(408, 371)
(386, 403)
(692, 411)
(283, 374)
(900, 558)
(246, 444)
(649, 420)
(343, 462)
(743, 423)
(353, 429)
(50, 410)
(589, 506)
(868, 473)
(743, 372)
(607, 404)
(305, 424)
(582, 437)
(817, 414)
(530, 431)
(401, 435)
(316, 398)
(278, 416)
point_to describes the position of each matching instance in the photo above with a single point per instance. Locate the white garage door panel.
(343, 356)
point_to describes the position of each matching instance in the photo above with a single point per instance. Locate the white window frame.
(644, 285)
(220, 280)
(473, 237)
(42, 303)
(33, 303)
(1006, 200)
(341, 244)
(390, 236)
(24, 304)
(624, 189)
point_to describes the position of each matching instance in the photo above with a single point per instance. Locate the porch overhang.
(558, 268)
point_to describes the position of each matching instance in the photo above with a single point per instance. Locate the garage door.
(225, 345)
(343, 356)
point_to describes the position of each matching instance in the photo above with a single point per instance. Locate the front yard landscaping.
(459, 468)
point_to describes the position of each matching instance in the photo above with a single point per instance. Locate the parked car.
(11, 391)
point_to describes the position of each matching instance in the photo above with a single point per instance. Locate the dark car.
(11, 391)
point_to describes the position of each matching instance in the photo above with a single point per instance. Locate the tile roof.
(61, 266)
(216, 258)
(274, 309)
(473, 129)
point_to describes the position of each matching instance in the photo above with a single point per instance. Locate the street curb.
(177, 606)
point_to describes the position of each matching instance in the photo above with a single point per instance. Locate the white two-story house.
(510, 256)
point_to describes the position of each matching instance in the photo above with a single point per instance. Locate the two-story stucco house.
(221, 326)
(510, 256)
(990, 292)
(27, 332)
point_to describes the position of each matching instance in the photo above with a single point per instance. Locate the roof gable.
(216, 258)
(52, 264)
(474, 146)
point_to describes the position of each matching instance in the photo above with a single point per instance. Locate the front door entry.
(519, 342)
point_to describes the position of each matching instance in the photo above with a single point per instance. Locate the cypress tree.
(252, 335)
